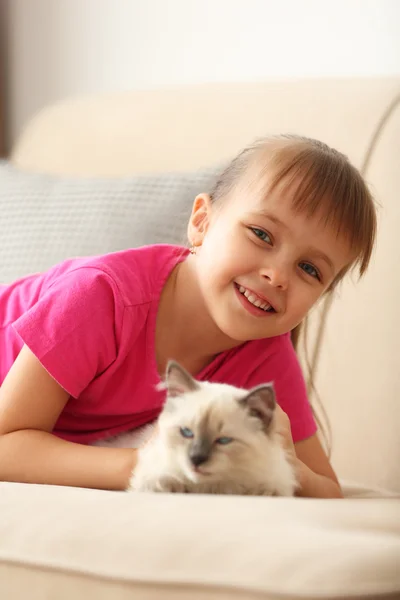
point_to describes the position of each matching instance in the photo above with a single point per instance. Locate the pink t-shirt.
(91, 323)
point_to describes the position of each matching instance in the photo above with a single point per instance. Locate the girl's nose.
(277, 276)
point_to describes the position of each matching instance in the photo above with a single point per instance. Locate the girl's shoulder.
(135, 272)
(138, 260)
(140, 273)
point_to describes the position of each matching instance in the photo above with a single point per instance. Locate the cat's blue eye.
(261, 234)
(224, 440)
(186, 432)
(310, 270)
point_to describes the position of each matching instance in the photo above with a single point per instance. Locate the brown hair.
(320, 180)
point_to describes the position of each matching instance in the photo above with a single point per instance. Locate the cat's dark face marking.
(200, 451)
(212, 428)
(200, 444)
(210, 420)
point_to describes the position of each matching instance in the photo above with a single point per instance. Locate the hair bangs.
(321, 182)
(329, 187)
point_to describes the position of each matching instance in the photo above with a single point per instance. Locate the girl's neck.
(185, 331)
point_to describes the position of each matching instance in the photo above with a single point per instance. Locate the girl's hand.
(310, 483)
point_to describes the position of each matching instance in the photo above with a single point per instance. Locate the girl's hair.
(320, 180)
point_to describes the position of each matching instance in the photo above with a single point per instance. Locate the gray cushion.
(45, 219)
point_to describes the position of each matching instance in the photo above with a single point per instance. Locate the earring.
(193, 250)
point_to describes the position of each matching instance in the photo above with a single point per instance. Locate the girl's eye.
(310, 270)
(261, 234)
(186, 432)
(224, 440)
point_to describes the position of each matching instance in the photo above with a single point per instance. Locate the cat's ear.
(178, 381)
(261, 403)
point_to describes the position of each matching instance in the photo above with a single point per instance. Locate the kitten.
(214, 438)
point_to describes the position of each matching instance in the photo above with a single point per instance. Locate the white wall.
(59, 48)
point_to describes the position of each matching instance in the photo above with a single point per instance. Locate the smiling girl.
(83, 346)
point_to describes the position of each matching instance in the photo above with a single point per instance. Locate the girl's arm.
(316, 477)
(30, 404)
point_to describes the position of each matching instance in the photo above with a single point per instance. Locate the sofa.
(94, 174)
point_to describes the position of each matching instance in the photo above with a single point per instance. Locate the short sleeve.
(73, 328)
(283, 368)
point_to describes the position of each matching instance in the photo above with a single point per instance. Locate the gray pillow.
(45, 219)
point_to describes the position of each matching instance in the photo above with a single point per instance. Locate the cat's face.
(213, 429)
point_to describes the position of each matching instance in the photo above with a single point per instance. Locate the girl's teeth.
(253, 299)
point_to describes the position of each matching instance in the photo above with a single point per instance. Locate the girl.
(83, 346)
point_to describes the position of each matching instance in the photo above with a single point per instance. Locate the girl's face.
(260, 265)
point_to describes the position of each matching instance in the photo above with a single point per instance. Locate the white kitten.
(213, 438)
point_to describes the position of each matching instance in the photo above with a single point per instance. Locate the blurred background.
(52, 49)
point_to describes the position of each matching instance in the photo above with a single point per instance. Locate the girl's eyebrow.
(264, 213)
(323, 257)
(315, 251)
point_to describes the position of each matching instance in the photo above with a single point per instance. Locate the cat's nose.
(198, 458)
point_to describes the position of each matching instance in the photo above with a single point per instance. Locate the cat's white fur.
(254, 462)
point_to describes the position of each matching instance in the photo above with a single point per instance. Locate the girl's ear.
(199, 219)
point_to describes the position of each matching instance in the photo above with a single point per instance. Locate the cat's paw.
(173, 486)
(162, 485)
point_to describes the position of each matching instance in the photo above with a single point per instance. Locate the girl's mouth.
(253, 304)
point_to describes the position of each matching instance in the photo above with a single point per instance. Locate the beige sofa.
(72, 543)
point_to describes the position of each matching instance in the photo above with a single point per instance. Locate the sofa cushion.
(45, 219)
(70, 543)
